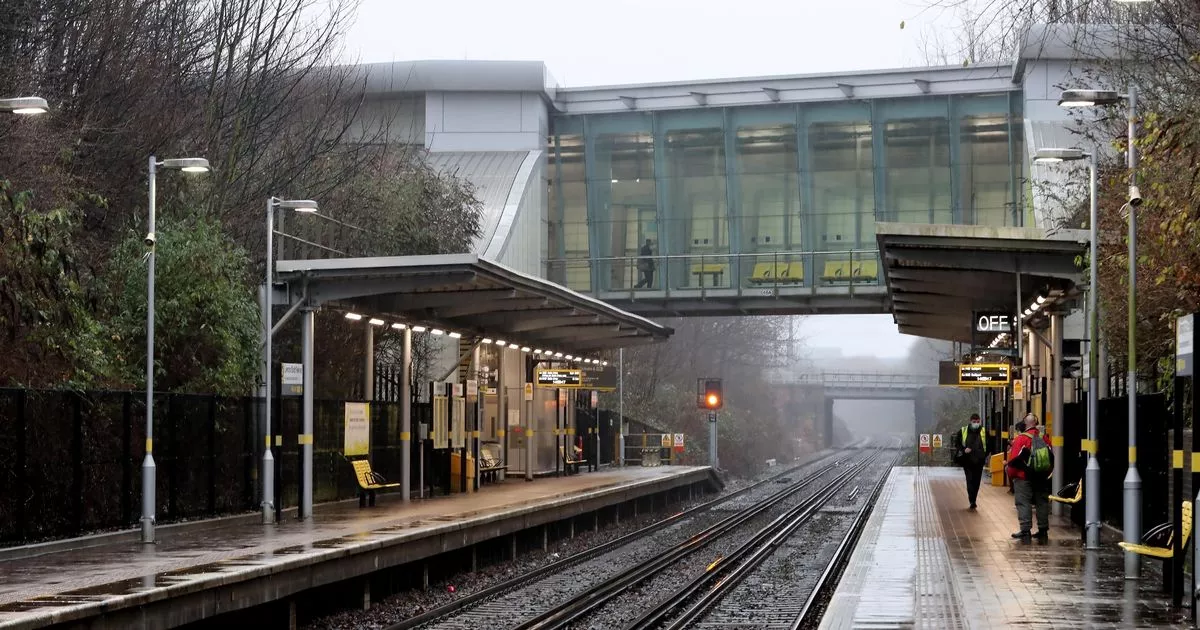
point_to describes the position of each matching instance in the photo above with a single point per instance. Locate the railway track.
(759, 584)
(518, 600)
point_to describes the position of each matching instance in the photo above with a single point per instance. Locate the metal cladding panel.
(493, 174)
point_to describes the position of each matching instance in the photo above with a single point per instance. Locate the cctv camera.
(150, 239)
(1135, 196)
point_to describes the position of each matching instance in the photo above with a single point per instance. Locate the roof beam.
(365, 287)
(701, 98)
(846, 89)
(955, 278)
(904, 299)
(480, 307)
(572, 333)
(944, 334)
(629, 102)
(535, 322)
(772, 94)
(922, 85)
(617, 342)
(1059, 265)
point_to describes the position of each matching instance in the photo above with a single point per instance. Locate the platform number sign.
(937, 440)
(924, 442)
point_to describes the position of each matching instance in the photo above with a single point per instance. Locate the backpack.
(1041, 458)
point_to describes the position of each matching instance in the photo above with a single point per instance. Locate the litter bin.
(996, 467)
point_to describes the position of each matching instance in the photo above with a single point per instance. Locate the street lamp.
(1092, 475)
(1133, 481)
(268, 476)
(24, 106)
(187, 165)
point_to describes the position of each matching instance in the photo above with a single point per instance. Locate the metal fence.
(70, 462)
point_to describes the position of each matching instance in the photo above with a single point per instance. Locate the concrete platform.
(925, 561)
(199, 571)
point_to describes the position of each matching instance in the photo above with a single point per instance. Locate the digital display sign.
(984, 374)
(557, 377)
(994, 322)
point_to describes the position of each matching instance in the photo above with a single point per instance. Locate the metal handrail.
(714, 255)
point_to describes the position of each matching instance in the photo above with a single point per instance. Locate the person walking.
(645, 264)
(1030, 464)
(971, 453)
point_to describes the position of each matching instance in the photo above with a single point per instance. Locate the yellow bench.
(845, 271)
(777, 273)
(716, 270)
(368, 482)
(570, 465)
(1157, 534)
(1071, 498)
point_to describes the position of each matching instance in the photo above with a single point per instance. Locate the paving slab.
(74, 583)
(926, 561)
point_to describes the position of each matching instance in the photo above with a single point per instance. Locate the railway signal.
(710, 396)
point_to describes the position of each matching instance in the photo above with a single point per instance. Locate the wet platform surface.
(925, 561)
(45, 587)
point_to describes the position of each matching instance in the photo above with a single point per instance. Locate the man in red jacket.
(1032, 489)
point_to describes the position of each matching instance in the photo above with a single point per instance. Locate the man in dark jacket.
(645, 264)
(971, 454)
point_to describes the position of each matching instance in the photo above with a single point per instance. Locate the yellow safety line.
(1132, 454)
(149, 445)
(1177, 459)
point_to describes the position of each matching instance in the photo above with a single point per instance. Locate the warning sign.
(666, 440)
(679, 442)
(1019, 389)
(924, 442)
(937, 440)
(528, 392)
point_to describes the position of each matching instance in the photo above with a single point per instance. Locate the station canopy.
(465, 294)
(939, 276)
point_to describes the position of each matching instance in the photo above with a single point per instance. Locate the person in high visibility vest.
(970, 452)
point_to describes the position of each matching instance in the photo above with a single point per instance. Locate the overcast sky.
(587, 42)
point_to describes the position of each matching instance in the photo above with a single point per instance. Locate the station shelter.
(511, 328)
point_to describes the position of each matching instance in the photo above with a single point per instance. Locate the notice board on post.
(358, 429)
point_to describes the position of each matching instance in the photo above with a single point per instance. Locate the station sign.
(1184, 345)
(599, 377)
(994, 322)
(558, 377)
(291, 379)
(983, 374)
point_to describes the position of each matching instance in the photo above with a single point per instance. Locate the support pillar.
(307, 342)
(502, 411)
(406, 416)
(1055, 422)
(369, 364)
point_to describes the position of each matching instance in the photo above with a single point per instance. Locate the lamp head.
(1059, 155)
(25, 106)
(187, 165)
(299, 205)
(1088, 98)
(1135, 196)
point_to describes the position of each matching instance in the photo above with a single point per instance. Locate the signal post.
(709, 397)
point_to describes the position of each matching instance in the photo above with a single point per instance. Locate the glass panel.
(699, 226)
(840, 158)
(984, 171)
(769, 200)
(568, 215)
(625, 212)
(917, 155)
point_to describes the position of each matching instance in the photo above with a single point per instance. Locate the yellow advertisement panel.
(358, 429)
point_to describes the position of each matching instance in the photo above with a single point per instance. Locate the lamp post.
(187, 165)
(24, 106)
(268, 462)
(1091, 496)
(1133, 481)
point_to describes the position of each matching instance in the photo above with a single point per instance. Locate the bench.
(777, 273)
(716, 270)
(570, 465)
(846, 271)
(1158, 541)
(491, 462)
(1069, 494)
(368, 482)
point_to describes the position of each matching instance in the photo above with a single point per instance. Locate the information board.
(558, 377)
(599, 377)
(291, 378)
(358, 429)
(983, 374)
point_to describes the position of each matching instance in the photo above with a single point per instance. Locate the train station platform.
(198, 571)
(925, 561)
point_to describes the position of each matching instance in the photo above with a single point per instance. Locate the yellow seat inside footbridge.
(847, 271)
(781, 272)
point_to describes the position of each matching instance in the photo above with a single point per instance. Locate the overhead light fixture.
(1041, 299)
(570, 358)
(538, 351)
(1088, 98)
(604, 363)
(353, 316)
(1035, 306)
(501, 343)
(524, 348)
(374, 321)
(456, 335)
(418, 329)
(437, 331)
(24, 106)
(486, 340)
(399, 326)
(557, 355)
